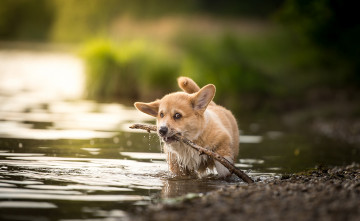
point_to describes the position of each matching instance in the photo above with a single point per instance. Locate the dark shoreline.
(321, 194)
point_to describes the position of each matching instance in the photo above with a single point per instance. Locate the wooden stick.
(201, 150)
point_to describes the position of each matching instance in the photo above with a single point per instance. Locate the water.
(64, 158)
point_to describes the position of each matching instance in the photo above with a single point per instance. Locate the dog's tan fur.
(202, 121)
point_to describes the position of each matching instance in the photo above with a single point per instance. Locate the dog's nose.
(163, 131)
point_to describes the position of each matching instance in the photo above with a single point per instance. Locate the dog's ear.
(188, 85)
(151, 108)
(203, 97)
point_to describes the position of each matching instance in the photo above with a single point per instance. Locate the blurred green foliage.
(77, 20)
(312, 45)
(248, 72)
(128, 71)
(25, 19)
(223, 61)
(331, 25)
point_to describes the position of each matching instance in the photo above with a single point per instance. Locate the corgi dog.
(194, 115)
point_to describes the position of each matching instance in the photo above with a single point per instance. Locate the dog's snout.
(163, 130)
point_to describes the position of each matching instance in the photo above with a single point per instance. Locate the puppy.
(194, 115)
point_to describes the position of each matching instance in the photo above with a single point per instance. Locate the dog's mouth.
(169, 139)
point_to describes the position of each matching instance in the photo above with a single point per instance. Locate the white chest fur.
(186, 156)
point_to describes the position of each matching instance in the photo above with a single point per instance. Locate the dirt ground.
(322, 194)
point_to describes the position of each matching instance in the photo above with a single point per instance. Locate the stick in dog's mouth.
(201, 150)
(169, 139)
(172, 138)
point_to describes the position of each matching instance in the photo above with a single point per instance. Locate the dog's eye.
(161, 115)
(177, 116)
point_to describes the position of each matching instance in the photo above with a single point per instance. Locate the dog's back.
(223, 120)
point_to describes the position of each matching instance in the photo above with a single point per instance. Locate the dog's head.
(180, 112)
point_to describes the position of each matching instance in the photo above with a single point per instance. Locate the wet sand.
(322, 194)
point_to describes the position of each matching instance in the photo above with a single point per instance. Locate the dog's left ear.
(203, 97)
(151, 108)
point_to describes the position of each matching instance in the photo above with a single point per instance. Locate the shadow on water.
(66, 158)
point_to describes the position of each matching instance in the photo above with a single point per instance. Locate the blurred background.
(262, 55)
(289, 58)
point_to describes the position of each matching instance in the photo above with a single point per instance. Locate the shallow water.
(63, 158)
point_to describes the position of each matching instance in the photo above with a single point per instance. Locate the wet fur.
(205, 123)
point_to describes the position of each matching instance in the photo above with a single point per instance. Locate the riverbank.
(322, 194)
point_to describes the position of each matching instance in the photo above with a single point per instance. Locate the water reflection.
(27, 205)
(45, 76)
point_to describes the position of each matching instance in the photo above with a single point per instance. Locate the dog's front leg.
(224, 150)
(175, 167)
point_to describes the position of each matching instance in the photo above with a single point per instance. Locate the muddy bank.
(323, 194)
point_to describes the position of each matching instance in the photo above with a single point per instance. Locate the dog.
(193, 114)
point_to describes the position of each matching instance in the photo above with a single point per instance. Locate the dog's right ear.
(188, 85)
(151, 108)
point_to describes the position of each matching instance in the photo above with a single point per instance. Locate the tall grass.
(128, 71)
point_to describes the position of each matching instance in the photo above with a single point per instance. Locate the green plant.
(127, 71)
